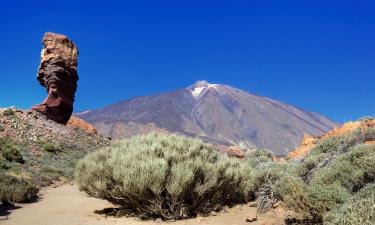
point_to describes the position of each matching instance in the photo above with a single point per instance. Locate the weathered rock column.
(58, 73)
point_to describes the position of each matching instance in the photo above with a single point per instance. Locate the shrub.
(4, 164)
(360, 209)
(165, 176)
(352, 170)
(325, 152)
(369, 134)
(16, 189)
(10, 152)
(336, 143)
(8, 112)
(310, 202)
(2, 128)
(50, 147)
(258, 157)
(265, 178)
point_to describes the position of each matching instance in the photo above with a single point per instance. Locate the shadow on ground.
(6, 209)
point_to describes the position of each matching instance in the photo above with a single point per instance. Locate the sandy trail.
(66, 205)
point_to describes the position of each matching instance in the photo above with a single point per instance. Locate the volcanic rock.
(58, 73)
(78, 123)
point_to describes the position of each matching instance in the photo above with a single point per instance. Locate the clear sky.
(317, 55)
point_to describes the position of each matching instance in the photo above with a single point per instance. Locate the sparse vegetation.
(8, 112)
(35, 154)
(165, 176)
(359, 209)
(332, 185)
(16, 189)
(16, 184)
(50, 147)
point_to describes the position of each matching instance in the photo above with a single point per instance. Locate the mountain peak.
(214, 113)
(201, 83)
(200, 87)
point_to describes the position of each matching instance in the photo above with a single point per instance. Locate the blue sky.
(317, 55)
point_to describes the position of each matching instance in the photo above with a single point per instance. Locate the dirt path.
(65, 205)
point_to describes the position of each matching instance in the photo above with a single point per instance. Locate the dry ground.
(65, 205)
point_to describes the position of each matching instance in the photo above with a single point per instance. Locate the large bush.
(16, 189)
(165, 176)
(351, 170)
(360, 209)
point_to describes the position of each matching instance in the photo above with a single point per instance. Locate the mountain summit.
(216, 113)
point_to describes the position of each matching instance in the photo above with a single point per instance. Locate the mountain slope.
(213, 112)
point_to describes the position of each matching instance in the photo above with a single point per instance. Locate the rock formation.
(58, 73)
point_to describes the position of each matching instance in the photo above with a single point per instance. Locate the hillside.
(216, 113)
(309, 142)
(36, 151)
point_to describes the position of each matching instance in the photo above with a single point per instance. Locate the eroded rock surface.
(58, 73)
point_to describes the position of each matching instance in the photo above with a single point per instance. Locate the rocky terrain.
(48, 148)
(309, 142)
(215, 113)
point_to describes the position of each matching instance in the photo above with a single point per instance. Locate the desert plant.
(326, 151)
(165, 176)
(267, 175)
(10, 151)
(360, 209)
(369, 134)
(8, 112)
(351, 170)
(259, 157)
(50, 147)
(310, 202)
(2, 128)
(16, 189)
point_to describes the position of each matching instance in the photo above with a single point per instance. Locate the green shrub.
(336, 143)
(258, 157)
(310, 202)
(51, 147)
(16, 189)
(267, 175)
(369, 134)
(360, 209)
(8, 112)
(48, 174)
(165, 176)
(10, 151)
(325, 152)
(4, 164)
(2, 128)
(351, 170)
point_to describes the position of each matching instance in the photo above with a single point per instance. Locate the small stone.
(225, 210)
(213, 213)
(158, 220)
(250, 220)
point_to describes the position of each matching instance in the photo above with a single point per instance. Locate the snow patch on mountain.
(200, 87)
